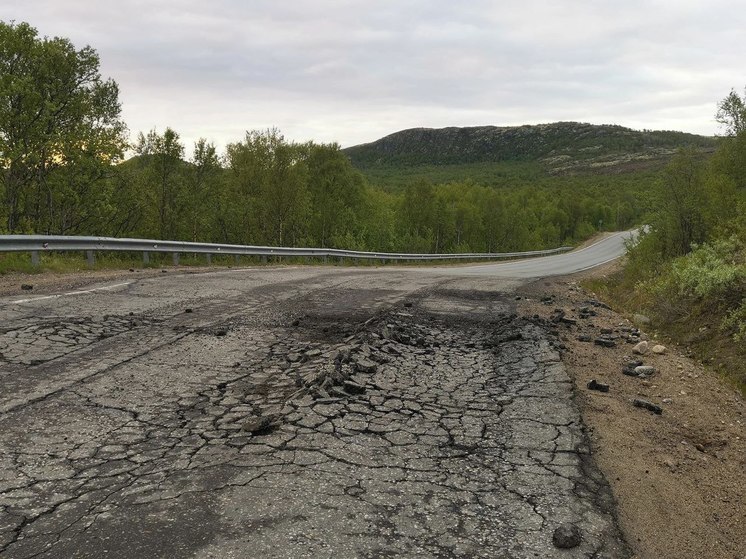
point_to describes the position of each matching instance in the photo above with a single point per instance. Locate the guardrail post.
(146, 258)
(264, 259)
(325, 259)
(90, 256)
(35, 258)
(175, 256)
(238, 259)
(209, 259)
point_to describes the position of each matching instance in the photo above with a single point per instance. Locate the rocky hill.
(560, 147)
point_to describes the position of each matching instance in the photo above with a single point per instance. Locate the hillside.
(558, 148)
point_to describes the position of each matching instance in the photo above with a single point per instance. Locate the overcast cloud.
(352, 71)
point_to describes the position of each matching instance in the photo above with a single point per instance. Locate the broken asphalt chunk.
(647, 405)
(595, 385)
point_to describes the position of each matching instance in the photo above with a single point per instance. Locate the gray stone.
(638, 403)
(567, 536)
(641, 348)
(646, 370)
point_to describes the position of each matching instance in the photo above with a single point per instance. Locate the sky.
(352, 71)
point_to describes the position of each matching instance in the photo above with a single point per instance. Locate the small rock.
(132, 269)
(641, 348)
(26, 287)
(606, 331)
(646, 370)
(659, 349)
(604, 342)
(595, 385)
(584, 338)
(187, 311)
(566, 536)
(647, 405)
(408, 304)
(221, 332)
(293, 357)
(667, 401)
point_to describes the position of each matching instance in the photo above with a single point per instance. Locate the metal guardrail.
(36, 244)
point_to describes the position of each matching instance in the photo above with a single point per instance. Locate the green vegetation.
(60, 133)
(63, 140)
(558, 147)
(458, 190)
(689, 271)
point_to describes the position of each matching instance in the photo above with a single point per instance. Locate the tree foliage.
(60, 132)
(731, 113)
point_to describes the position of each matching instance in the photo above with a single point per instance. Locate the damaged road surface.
(294, 412)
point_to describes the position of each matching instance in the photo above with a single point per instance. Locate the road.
(295, 412)
(605, 250)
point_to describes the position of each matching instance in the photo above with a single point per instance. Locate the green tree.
(202, 190)
(336, 195)
(680, 202)
(269, 183)
(162, 161)
(56, 112)
(731, 113)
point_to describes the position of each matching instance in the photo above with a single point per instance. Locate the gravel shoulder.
(679, 477)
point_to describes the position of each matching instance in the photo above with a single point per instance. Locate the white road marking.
(81, 292)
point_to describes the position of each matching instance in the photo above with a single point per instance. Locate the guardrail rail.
(38, 244)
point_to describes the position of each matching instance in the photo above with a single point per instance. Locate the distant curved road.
(601, 252)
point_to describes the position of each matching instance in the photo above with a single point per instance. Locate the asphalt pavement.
(296, 412)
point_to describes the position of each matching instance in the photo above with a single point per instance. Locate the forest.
(70, 169)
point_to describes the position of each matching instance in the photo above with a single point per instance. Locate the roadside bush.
(711, 269)
(736, 321)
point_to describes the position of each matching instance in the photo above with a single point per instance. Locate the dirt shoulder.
(679, 477)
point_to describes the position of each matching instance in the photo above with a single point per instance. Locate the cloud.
(353, 70)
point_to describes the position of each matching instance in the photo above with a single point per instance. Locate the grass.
(75, 262)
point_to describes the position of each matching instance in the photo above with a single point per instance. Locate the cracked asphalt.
(292, 412)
